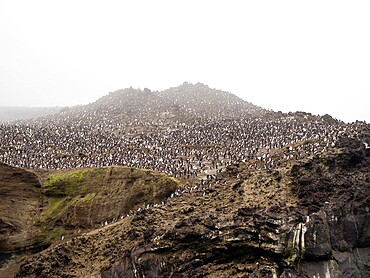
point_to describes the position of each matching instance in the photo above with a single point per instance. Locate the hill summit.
(183, 102)
(197, 100)
(200, 100)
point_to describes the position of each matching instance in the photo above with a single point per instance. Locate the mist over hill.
(185, 101)
(129, 104)
(8, 113)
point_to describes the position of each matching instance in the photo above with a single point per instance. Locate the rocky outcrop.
(306, 219)
(41, 208)
(86, 198)
(335, 190)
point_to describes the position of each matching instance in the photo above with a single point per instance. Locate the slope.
(246, 223)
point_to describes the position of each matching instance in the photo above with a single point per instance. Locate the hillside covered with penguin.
(186, 182)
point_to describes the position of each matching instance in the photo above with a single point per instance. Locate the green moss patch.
(83, 198)
(54, 204)
(64, 184)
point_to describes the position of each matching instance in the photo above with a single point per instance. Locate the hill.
(185, 102)
(143, 183)
(305, 218)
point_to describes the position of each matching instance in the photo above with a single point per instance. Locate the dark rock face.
(334, 244)
(20, 193)
(321, 228)
(275, 247)
(337, 232)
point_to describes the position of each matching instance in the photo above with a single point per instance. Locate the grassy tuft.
(303, 143)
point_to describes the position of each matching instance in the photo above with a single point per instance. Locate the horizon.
(282, 56)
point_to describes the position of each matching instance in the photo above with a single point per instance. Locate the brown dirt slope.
(305, 218)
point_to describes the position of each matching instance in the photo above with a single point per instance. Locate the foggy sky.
(311, 56)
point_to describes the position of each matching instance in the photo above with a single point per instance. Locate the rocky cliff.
(41, 208)
(306, 218)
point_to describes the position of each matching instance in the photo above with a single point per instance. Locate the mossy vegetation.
(166, 179)
(64, 184)
(87, 198)
(303, 143)
(54, 204)
(81, 198)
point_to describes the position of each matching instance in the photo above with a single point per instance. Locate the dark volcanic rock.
(336, 189)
